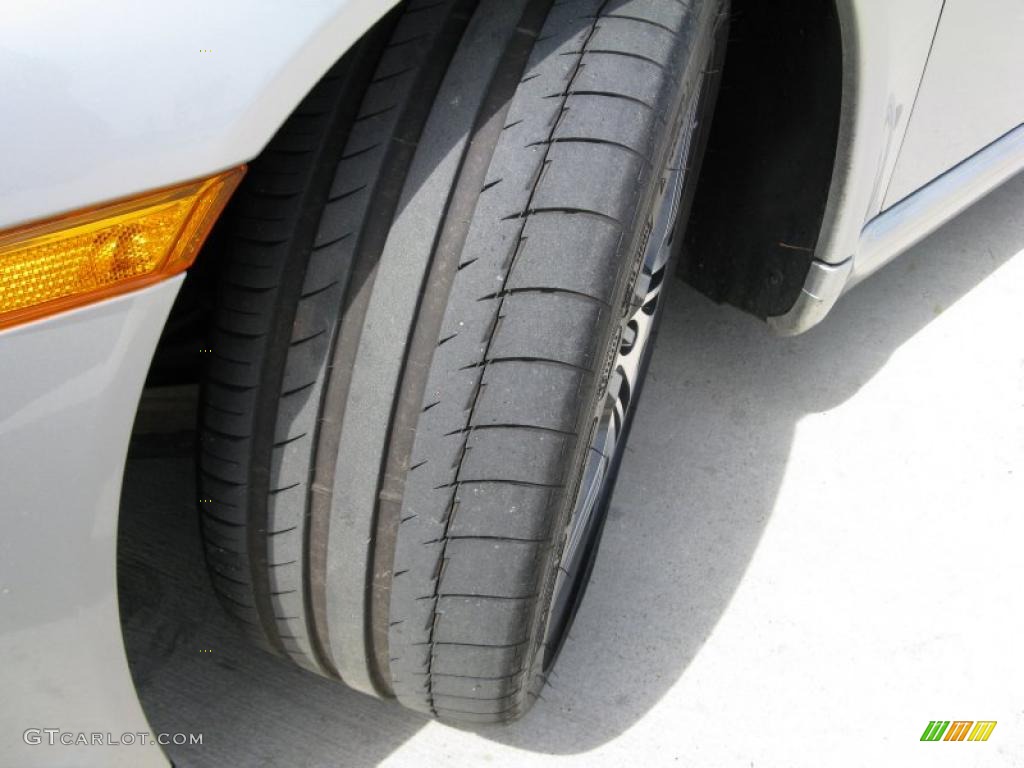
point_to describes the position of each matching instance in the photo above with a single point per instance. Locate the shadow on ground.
(705, 461)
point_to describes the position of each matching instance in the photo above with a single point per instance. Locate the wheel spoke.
(617, 401)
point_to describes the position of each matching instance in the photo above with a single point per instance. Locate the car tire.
(438, 293)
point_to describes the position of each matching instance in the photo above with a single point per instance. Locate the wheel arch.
(774, 155)
(199, 87)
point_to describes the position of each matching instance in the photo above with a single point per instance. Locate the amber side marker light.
(84, 256)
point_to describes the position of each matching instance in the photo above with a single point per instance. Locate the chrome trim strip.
(910, 220)
(903, 225)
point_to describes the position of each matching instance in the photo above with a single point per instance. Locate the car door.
(971, 93)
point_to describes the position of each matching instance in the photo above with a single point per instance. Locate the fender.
(885, 52)
(199, 87)
(811, 118)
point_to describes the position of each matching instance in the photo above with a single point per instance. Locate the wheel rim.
(621, 381)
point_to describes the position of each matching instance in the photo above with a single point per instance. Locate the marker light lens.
(85, 256)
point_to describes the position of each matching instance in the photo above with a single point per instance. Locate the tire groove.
(475, 399)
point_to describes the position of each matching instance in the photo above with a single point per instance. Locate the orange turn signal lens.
(89, 255)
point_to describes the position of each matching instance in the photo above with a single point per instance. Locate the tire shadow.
(705, 461)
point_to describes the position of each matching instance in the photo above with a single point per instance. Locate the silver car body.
(931, 120)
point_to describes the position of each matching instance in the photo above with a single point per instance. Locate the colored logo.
(958, 730)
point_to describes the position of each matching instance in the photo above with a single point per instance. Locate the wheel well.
(765, 177)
